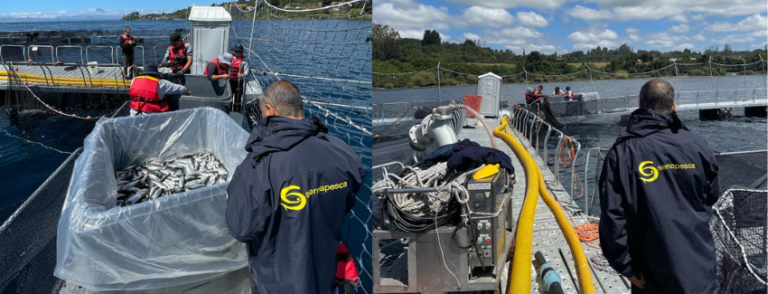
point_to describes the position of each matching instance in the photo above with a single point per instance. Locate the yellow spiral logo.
(292, 200)
(650, 172)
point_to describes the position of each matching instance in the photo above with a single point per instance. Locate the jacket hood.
(643, 122)
(279, 133)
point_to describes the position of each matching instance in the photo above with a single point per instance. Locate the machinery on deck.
(440, 230)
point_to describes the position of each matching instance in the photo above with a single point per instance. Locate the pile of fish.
(154, 178)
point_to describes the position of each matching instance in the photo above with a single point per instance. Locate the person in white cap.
(218, 68)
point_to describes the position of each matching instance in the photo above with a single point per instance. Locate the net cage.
(739, 229)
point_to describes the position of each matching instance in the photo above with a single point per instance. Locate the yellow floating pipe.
(34, 78)
(582, 265)
(520, 268)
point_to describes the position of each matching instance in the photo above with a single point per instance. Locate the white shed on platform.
(208, 35)
(489, 86)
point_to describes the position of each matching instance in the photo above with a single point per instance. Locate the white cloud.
(531, 19)
(735, 39)
(594, 38)
(699, 38)
(482, 16)
(445, 38)
(633, 34)
(409, 18)
(681, 28)
(544, 49)
(539, 4)
(411, 34)
(624, 10)
(680, 18)
(588, 14)
(471, 36)
(752, 23)
(666, 41)
(520, 32)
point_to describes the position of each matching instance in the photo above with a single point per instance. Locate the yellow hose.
(520, 268)
(70, 81)
(520, 273)
(582, 265)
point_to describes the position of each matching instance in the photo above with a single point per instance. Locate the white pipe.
(485, 124)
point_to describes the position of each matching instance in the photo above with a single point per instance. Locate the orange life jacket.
(218, 66)
(234, 69)
(126, 38)
(177, 54)
(144, 97)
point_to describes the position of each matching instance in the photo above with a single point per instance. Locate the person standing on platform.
(236, 71)
(127, 44)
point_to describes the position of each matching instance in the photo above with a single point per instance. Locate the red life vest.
(537, 91)
(569, 94)
(127, 38)
(218, 67)
(529, 96)
(345, 266)
(144, 96)
(234, 69)
(174, 53)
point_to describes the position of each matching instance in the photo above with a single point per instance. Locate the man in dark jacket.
(289, 197)
(658, 184)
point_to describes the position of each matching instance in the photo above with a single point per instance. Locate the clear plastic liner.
(170, 241)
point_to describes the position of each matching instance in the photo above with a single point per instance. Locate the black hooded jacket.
(657, 187)
(288, 200)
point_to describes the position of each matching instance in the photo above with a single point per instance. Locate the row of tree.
(393, 54)
(345, 12)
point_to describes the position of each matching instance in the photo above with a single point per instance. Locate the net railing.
(326, 53)
(739, 229)
(26, 263)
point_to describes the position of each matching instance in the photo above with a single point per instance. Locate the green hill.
(346, 12)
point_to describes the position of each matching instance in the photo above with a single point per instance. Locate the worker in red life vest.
(178, 57)
(568, 93)
(218, 68)
(537, 93)
(149, 93)
(127, 44)
(236, 73)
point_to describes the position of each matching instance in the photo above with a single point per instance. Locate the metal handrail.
(29, 55)
(586, 177)
(23, 54)
(111, 52)
(70, 46)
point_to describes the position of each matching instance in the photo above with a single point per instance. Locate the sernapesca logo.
(650, 173)
(297, 200)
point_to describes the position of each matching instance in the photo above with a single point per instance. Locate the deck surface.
(548, 237)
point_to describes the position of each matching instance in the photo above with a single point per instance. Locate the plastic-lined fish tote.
(169, 241)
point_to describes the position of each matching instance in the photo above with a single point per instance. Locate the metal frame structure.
(111, 52)
(23, 52)
(53, 58)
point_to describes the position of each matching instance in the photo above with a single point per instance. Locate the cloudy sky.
(12, 10)
(565, 26)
